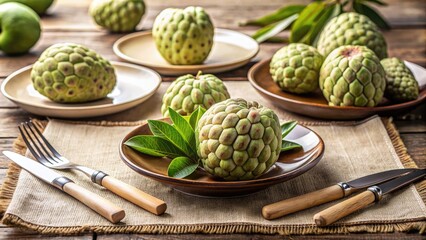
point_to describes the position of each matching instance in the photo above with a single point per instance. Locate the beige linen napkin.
(351, 151)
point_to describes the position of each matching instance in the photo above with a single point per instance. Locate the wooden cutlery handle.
(340, 210)
(134, 195)
(97, 203)
(291, 205)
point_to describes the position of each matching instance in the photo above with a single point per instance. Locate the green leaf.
(372, 14)
(276, 39)
(184, 128)
(327, 14)
(153, 146)
(181, 167)
(379, 2)
(195, 117)
(168, 132)
(269, 31)
(287, 145)
(186, 117)
(287, 127)
(262, 31)
(276, 16)
(305, 21)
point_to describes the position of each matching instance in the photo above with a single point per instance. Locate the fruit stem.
(198, 74)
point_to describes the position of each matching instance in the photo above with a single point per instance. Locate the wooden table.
(68, 21)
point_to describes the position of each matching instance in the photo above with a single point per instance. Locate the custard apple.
(238, 140)
(183, 36)
(117, 15)
(295, 68)
(401, 86)
(187, 93)
(352, 76)
(351, 29)
(71, 73)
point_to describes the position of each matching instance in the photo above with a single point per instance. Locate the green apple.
(39, 6)
(19, 28)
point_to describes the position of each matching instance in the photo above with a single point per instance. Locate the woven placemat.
(404, 211)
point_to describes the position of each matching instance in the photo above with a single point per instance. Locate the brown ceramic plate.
(315, 105)
(289, 165)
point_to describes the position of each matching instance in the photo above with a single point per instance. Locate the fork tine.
(33, 152)
(45, 141)
(37, 146)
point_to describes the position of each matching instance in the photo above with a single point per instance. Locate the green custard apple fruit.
(188, 92)
(39, 6)
(238, 139)
(351, 29)
(401, 86)
(183, 36)
(352, 76)
(19, 28)
(72, 73)
(117, 15)
(295, 68)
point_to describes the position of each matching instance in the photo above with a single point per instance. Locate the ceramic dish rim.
(119, 53)
(73, 108)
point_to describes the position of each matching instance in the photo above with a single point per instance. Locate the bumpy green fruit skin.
(238, 140)
(401, 86)
(117, 15)
(183, 36)
(295, 68)
(352, 76)
(71, 73)
(189, 92)
(39, 6)
(19, 28)
(351, 29)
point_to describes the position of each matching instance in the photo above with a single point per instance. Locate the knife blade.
(97, 203)
(372, 194)
(338, 191)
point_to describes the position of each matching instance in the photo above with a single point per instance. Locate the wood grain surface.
(68, 21)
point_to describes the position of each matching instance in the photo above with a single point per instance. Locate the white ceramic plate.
(230, 50)
(135, 84)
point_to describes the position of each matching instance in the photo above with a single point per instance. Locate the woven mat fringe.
(220, 228)
(11, 179)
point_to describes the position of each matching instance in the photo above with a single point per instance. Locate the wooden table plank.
(416, 147)
(6, 144)
(15, 233)
(9, 120)
(370, 236)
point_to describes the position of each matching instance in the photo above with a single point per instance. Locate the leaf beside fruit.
(306, 21)
(175, 141)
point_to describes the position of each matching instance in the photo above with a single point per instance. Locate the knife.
(338, 191)
(97, 203)
(372, 194)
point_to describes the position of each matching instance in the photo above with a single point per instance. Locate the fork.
(46, 154)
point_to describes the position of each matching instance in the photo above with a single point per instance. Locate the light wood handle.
(134, 195)
(97, 203)
(312, 199)
(340, 210)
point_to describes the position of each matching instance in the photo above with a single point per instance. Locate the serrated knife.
(97, 203)
(372, 194)
(338, 191)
